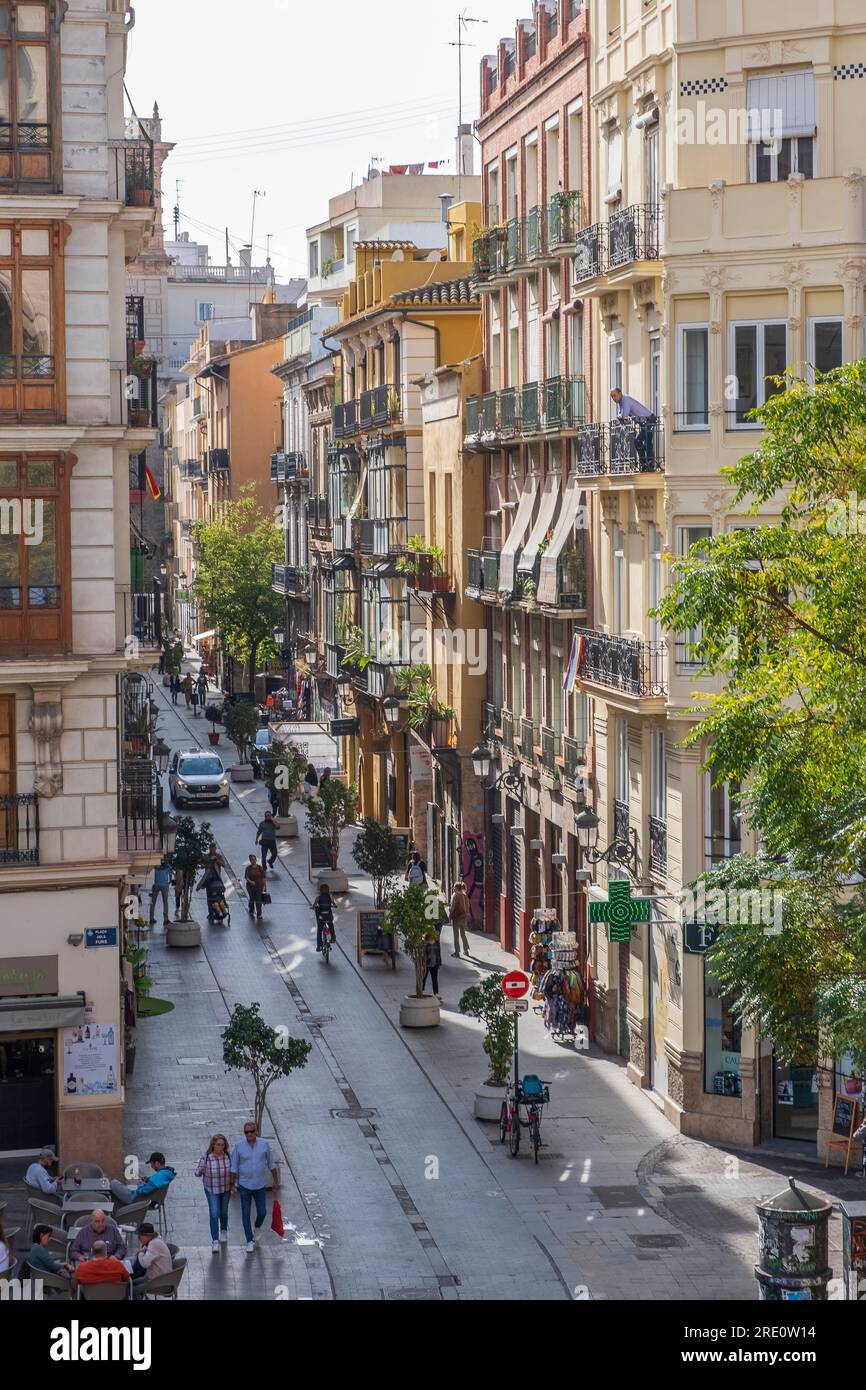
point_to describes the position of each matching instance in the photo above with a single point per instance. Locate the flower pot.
(139, 420)
(213, 738)
(336, 879)
(488, 1101)
(241, 772)
(141, 198)
(183, 934)
(440, 584)
(419, 1013)
(287, 827)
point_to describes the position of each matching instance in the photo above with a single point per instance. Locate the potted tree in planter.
(241, 724)
(191, 848)
(284, 774)
(251, 1045)
(213, 713)
(335, 807)
(377, 851)
(414, 911)
(485, 1001)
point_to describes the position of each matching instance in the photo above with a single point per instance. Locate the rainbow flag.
(152, 484)
(575, 661)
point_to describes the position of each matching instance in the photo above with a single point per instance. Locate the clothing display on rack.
(554, 968)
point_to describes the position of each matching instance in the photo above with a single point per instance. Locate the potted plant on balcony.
(416, 913)
(485, 1001)
(241, 724)
(355, 655)
(424, 566)
(143, 363)
(377, 851)
(328, 813)
(415, 685)
(213, 713)
(191, 848)
(284, 774)
(139, 190)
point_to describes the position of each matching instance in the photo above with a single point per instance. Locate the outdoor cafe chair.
(10, 1272)
(133, 1214)
(55, 1285)
(104, 1293)
(53, 1197)
(157, 1199)
(166, 1285)
(40, 1213)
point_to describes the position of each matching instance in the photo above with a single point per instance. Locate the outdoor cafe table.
(87, 1202)
(68, 1186)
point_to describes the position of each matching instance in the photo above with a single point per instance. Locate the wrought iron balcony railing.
(627, 664)
(565, 218)
(621, 820)
(345, 419)
(490, 719)
(334, 655)
(658, 845)
(482, 572)
(319, 514)
(574, 757)
(139, 806)
(19, 829)
(621, 447)
(528, 739)
(218, 461)
(589, 252)
(633, 234)
(508, 730)
(550, 743)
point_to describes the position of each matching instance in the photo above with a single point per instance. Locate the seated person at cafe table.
(40, 1258)
(102, 1268)
(153, 1258)
(163, 1174)
(37, 1174)
(99, 1228)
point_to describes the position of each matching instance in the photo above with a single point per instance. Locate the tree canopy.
(779, 613)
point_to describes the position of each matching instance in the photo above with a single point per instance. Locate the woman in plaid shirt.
(213, 1167)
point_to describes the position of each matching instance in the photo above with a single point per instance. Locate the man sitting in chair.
(163, 1174)
(37, 1174)
(99, 1229)
(154, 1258)
(101, 1269)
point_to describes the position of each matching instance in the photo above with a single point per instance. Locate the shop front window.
(722, 1040)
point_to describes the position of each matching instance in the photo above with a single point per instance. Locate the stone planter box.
(183, 934)
(488, 1102)
(420, 1013)
(241, 772)
(287, 827)
(336, 879)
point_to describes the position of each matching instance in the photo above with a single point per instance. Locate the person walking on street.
(212, 882)
(256, 882)
(266, 836)
(161, 882)
(177, 883)
(434, 960)
(194, 700)
(201, 686)
(415, 871)
(326, 777)
(324, 910)
(187, 688)
(251, 1161)
(175, 689)
(458, 911)
(214, 1169)
(311, 782)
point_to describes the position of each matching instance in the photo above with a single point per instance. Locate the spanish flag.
(152, 485)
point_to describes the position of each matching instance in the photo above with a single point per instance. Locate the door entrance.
(27, 1093)
(795, 1102)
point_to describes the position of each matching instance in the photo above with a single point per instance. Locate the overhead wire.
(265, 132)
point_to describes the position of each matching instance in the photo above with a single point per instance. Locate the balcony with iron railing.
(218, 461)
(621, 820)
(482, 573)
(334, 657)
(658, 845)
(528, 739)
(574, 758)
(633, 237)
(345, 419)
(190, 468)
(442, 733)
(539, 409)
(490, 719)
(380, 406)
(344, 533)
(508, 730)
(319, 515)
(628, 664)
(139, 806)
(621, 447)
(570, 583)
(550, 745)
(19, 829)
(142, 393)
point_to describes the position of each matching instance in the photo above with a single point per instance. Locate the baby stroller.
(217, 907)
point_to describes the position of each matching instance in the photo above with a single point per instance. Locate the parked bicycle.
(531, 1095)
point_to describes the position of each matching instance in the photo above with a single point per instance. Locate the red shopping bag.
(277, 1221)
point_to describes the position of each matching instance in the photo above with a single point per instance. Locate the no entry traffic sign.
(515, 984)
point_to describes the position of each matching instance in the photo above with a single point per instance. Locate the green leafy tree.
(377, 851)
(251, 1045)
(485, 1001)
(779, 611)
(284, 773)
(233, 580)
(413, 911)
(191, 849)
(335, 807)
(242, 723)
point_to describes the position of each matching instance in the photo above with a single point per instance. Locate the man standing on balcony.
(630, 409)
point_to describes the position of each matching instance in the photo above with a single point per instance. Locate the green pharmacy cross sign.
(620, 911)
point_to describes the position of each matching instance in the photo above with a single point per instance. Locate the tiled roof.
(460, 291)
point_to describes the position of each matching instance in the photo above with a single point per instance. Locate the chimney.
(465, 151)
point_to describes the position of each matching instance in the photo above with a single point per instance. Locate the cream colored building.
(79, 804)
(710, 266)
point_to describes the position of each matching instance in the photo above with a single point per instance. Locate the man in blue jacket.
(163, 1174)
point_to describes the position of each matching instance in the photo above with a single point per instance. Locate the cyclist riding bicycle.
(324, 910)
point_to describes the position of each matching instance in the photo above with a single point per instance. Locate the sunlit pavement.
(391, 1189)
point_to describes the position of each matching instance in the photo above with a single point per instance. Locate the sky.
(293, 99)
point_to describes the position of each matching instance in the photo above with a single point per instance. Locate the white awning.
(200, 636)
(549, 497)
(548, 587)
(522, 518)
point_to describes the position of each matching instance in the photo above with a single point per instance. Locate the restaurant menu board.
(90, 1060)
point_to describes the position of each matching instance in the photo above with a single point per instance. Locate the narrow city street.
(390, 1187)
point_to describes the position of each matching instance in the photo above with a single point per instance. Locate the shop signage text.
(22, 975)
(100, 936)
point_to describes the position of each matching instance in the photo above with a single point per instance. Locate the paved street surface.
(390, 1188)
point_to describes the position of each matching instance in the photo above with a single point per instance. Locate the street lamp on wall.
(622, 852)
(481, 764)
